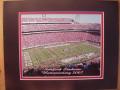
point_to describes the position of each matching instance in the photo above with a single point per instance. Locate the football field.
(54, 55)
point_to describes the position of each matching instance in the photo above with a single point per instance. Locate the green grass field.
(41, 56)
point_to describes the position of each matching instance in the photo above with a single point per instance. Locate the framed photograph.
(63, 44)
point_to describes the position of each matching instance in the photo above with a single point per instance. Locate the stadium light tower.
(43, 16)
(77, 18)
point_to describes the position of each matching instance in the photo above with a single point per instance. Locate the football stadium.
(60, 44)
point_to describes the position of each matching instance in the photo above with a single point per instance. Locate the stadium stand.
(33, 40)
(41, 31)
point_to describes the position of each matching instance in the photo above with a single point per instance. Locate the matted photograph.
(61, 45)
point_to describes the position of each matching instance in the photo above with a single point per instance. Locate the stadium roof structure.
(47, 20)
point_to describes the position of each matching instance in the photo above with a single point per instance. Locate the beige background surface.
(2, 78)
(2, 85)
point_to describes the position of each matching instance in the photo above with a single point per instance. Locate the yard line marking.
(27, 59)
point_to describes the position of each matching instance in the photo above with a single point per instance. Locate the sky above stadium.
(82, 18)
